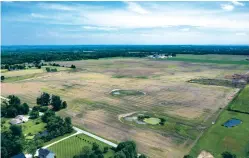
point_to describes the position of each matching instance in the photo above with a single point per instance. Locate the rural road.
(4, 98)
(80, 131)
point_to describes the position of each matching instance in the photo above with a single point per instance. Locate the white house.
(19, 119)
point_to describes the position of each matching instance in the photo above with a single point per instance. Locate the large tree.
(16, 130)
(56, 102)
(44, 99)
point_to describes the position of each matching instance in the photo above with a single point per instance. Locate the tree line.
(124, 150)
(17, 55)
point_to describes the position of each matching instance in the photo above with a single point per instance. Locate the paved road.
(4, 98)
(80, 131)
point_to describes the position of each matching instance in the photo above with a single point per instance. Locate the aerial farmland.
(108, 96)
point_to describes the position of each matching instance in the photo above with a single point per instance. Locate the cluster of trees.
(48, 69)
(13, 107)
(54, 100)
(56, 126)
(19, 54)
(13, 67)
(124, 150)
(12, 141)
(94, 152)
(73, 67)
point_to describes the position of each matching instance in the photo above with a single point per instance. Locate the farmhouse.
(19, 119)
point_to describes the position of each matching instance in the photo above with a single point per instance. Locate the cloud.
(227, 7)
(238, 3)
(99, 28)
(241, 34)
(134, 7)
(56, 7)
(35, 15)
(185, 29)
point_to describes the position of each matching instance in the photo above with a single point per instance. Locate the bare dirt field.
(87, 91)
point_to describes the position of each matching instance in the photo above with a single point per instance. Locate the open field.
(186, 106)
(241, 102)
(75, 145)
(17, 75)
(217, 59)
(219, 139)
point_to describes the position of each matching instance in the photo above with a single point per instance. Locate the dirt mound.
(205, 154)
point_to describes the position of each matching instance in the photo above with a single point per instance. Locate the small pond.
(232, 122)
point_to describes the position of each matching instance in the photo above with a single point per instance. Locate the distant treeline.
(22, 54)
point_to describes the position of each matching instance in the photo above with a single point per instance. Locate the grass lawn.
(218, 139)
(33, 126)
(58, 138)
(30, 128)
(152, 121)
(74, 145)
(241, 102)
(216, 59)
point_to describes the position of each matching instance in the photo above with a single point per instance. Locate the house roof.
(20, 117)
(21, 155)
(44, 152)
(15, 121)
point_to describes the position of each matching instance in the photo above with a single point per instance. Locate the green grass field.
(216, 59)
(241, 102)
(74, 145)
(218, 139)
(152, 121)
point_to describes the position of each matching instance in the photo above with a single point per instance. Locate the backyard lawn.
(74, 146)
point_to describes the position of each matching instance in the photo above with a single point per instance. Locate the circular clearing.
(152, 120)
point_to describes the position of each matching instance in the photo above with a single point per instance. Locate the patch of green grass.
(216, 59)
(58, 138)
(241, 102)
(59, 68)
(126, 76)
(141, 77)
(30, 128)
(152, 120)
(4, 70)
(74, 145)
(126, 92)
(19, 78)
(217, 82)
(120, 76)
(33, 126)
(218, 139)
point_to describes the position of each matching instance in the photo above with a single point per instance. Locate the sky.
(123, 22)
